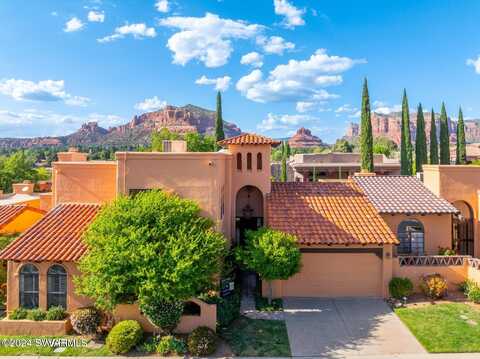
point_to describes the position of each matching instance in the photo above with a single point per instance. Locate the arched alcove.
(248, 211)
(463, 229)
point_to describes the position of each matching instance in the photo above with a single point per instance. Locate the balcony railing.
(438, 261)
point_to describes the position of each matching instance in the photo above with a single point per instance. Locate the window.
(191, 308)
(56, 287)
(412, 238)
(29, 286)
(259, 161)
(239, 161)
(249, 161)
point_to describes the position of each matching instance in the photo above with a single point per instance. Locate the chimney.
(174, 146)
(73, 155)
(25, 187)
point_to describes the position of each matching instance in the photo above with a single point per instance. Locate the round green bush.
(171, 345)
(202, 341)
(36, 314)
(56, 313)
(18, 313)
(86, 320)
(400, 287)
(124, 336)
(164, 314)
(474, 293)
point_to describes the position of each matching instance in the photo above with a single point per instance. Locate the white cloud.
(54, 13)
(292, 15)
(475, 63)
(386, 110)
(275, 44)
(347, 108)
(96, 16)
(284, 122)
(221, 83)
(162, 6)
(74, 24)
(138, 31)
(44, 91)
(305, 106)
(207, 39)
(252, 58)
(297, 80)
(150, 104)
(356, 114)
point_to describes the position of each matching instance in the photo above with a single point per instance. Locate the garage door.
(337, 274)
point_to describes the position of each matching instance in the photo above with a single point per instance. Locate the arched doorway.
(248, 211)
(463, 229)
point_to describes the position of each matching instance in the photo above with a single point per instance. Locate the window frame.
(239, 161)
(249, 161)
(259, 161)
(34, 291)
(57, 294)
(412, 242)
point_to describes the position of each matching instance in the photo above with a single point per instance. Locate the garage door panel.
(336, 275)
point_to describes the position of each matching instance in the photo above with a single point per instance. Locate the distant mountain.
(304, 138)
(184, 119)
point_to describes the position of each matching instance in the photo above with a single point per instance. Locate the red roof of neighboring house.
(249, 139)
(326, 213)
(9, 212)
(56, 237)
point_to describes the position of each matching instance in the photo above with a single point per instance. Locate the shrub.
(36, 314)
(400, 287)
(124, 336)
(465, 286)
(474, 293)
(56, 313)
(163, 314)
(202, 341)
(446, 251)
(18, 313)
(434, 286)
(85, 320)
(228, 309)
(171, 345)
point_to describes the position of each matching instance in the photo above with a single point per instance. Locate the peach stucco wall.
(438, 229)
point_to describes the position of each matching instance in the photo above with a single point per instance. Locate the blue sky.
(281, 64)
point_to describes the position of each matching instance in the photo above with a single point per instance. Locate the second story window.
(249, 161)
(259, 161)
(239, 161)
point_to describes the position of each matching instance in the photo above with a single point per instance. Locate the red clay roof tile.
(249, 139)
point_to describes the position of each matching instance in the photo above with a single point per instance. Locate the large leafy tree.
(219, 132)
(444, 137)
(195, 141)
(152, 248)
(384, 146)
(342, 145)
(18, 167)
(272, 254)
(366, 137)
(421, 155)
(406, 158)
(433, 140)
(461, 143)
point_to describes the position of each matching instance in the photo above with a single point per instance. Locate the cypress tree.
(406, 160)
(421, 156)
(219, 133)
(444, 138)
(461, 145)
(366, 138)
(433, 141)
(283, 176)
(288, 151)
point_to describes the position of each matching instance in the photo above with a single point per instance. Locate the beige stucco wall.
(438, 229)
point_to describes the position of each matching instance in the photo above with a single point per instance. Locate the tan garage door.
(337, 274)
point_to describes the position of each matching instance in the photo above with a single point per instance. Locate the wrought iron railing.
(474, 262)
(438, 261)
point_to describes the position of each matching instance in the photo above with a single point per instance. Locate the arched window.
(28, 286)
(191, 308)
(239, 161)
(56, 287)
(412, 238)
(249, 161)
(259, 161)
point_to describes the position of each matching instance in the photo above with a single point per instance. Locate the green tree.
(342, 145)
(272, 254)
(444, 138)
(366, 138)
(16, 168)
(421, 155)
(219, 132)
(199, 143)
(384, 146)
(433, 141)
(288, 150)
(461, 144)
(164, 134)
(154, 245)
(406, 158)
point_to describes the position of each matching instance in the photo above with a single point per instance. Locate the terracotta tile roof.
(326, 213)
(9, 212)
(56, 237)
(402, 194)
(249, 139)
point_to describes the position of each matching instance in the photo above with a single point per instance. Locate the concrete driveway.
(336, 328)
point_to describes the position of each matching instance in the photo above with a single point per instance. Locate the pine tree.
(366, 138)
(461, 145)
(421, 156)
(444, 138)
(433, 141)
(406, 160)
(283, 176)
(219, 133)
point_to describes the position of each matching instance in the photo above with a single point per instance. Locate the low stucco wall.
(207, 317)
(30, 327)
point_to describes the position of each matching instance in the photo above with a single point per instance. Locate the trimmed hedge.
(228, 309)
(124, 336)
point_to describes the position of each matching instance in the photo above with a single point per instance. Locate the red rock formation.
(304, 138)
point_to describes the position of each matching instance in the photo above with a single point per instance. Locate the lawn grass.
(27, 345)
(444, 328)
(261, 304)
(257, 337)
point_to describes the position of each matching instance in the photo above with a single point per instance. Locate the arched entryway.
(463, 229)
(248, 211)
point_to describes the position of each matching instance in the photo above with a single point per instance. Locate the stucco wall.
(438, 229)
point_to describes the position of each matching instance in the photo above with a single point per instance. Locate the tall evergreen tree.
(219, 133)
(461, 145)
(283, 175)
(366, 138)
(288, 150)
(444, 138)
(406, 159)
(421, 156)
(433, 141)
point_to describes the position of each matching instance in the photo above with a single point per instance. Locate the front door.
(464, 235)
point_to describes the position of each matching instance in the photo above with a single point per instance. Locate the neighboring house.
(421, 221)
(17, 218)
(23, 193)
